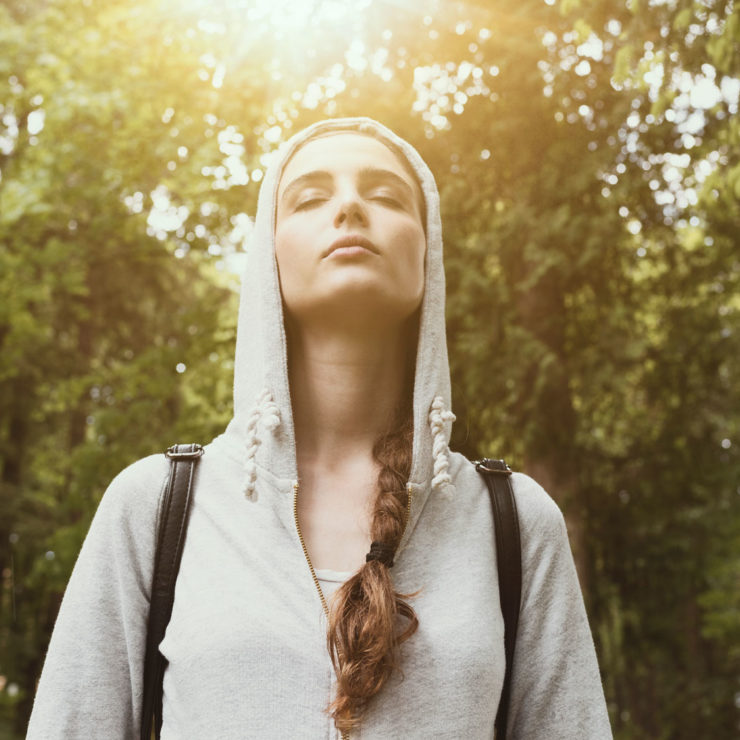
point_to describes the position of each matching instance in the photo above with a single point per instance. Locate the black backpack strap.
(170, 540)
(497, 474)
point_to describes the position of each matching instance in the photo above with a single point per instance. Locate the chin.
(358, 305)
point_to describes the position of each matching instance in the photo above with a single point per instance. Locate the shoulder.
(133, 496)
(539, 515)
(138, 482)
(124, 527)
(541, 521)
(139, 475)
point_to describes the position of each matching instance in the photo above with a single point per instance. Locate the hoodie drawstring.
(266, 415)
(438, 416)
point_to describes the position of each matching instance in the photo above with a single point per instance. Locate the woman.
(333, 477)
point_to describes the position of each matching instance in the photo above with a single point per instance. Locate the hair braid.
(369, 620)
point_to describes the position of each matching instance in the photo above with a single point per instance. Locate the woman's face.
(349, 235)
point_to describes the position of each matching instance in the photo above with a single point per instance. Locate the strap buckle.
(497, 467)
(184, 452)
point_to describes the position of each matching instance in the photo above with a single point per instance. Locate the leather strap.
(170, 541)
(497, 474)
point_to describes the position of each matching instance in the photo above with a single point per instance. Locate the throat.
(333, 510)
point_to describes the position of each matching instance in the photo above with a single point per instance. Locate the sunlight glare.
(283, 18)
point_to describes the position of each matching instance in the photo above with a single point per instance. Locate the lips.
(352, 240)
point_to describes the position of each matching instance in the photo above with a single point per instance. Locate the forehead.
(343, 152)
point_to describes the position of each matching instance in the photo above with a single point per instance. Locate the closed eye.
(308, 203)
(388, 200)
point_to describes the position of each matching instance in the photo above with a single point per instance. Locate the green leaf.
(683, 19)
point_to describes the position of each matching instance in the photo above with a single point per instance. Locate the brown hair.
(369, 620)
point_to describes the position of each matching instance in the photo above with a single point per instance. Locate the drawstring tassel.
(438, 417)
(266, 415)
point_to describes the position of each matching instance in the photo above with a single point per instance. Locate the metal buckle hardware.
(480, 466)
(174, 454)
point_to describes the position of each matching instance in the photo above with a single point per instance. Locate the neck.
(345, 389)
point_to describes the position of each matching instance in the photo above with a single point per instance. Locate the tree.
(587, 157)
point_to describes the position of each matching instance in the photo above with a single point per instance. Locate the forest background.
(588, 157)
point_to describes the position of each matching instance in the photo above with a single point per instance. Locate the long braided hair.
(369, 620)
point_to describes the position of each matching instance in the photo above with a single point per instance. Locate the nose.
(350, 210)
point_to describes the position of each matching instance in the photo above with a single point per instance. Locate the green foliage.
(590, 207)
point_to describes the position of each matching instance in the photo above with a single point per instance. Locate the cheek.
(287, 256)
(281, 248)
(415, 254)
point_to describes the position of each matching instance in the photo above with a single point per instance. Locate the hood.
(262, 428)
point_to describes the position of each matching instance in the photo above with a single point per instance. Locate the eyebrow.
(366, 174)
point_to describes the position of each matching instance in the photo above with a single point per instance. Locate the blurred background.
(588, 158)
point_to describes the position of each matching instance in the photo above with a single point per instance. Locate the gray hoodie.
(246, 644)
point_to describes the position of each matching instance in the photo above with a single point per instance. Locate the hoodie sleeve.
(91, 683)
(556, 688)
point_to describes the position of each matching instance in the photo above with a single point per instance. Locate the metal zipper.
(409, 494)
(324, 605)
(305, 550)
